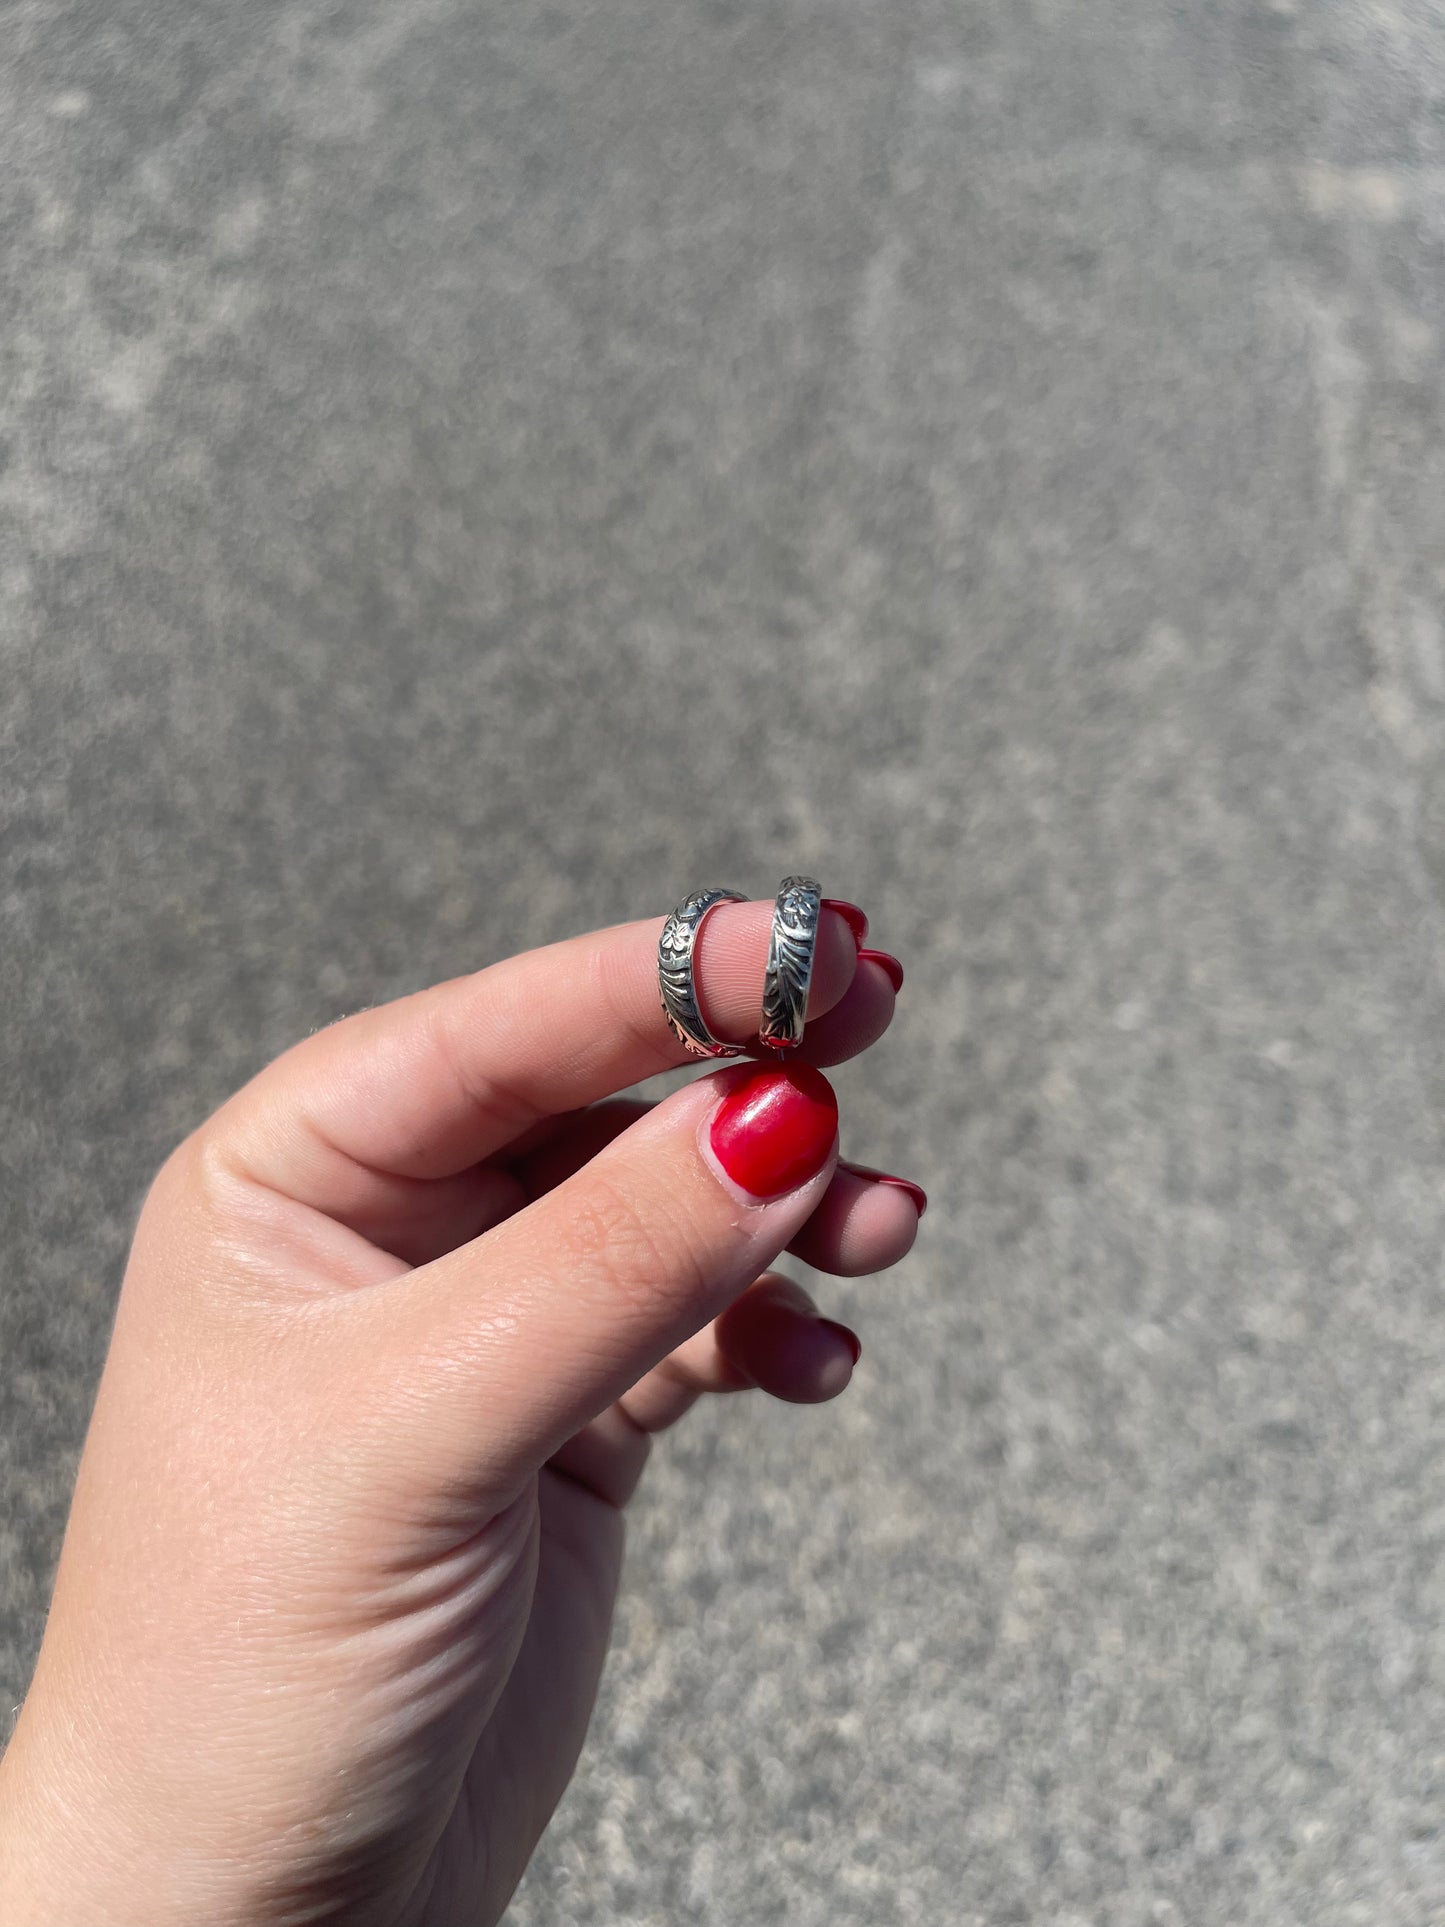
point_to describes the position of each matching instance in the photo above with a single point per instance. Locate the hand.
(397, 1324)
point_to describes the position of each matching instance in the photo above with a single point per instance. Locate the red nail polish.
(890, 964)
(849, 1338)
(855, 919)
(774, 1129)
(915, 1191)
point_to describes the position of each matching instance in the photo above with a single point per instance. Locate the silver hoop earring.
(674, 973)
(790, 962)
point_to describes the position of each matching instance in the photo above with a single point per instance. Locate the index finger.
(434, 1083)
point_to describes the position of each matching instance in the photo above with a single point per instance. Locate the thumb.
(480, 1364)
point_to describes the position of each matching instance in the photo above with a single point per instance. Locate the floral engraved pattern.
(674, 973)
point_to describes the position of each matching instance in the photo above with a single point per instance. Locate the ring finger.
(772, 1339)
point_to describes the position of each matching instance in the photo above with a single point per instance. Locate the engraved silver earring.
(674, 973)
(790, 962)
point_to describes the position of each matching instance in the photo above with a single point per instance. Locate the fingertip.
(853, 915)
(732, 956)
(847, 1337)
(916, 1194)
(778, 1341)
(856, 1021)
(834, 1376)
(775, 1336)
(884, 960)
(861, 1224)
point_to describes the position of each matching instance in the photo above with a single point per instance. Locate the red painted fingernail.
(774, 1129)
(849, 1338)
(890, 964)
(855, 919)
(915, 1191)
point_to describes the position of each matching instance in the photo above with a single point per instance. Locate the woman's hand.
(398, 1323)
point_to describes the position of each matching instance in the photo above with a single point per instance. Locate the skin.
(398, 1324)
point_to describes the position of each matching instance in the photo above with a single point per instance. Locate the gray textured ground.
(469, 472)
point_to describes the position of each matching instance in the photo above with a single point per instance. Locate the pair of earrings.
(785, 982)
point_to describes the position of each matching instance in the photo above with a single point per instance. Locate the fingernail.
(774, 1129)
(855, 918)
(890, 964)
(849, 1338)
(915, 1191)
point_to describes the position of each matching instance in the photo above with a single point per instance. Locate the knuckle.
(219, 1236)
(171, 1259)
(190, 1184)
(206, 1165)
